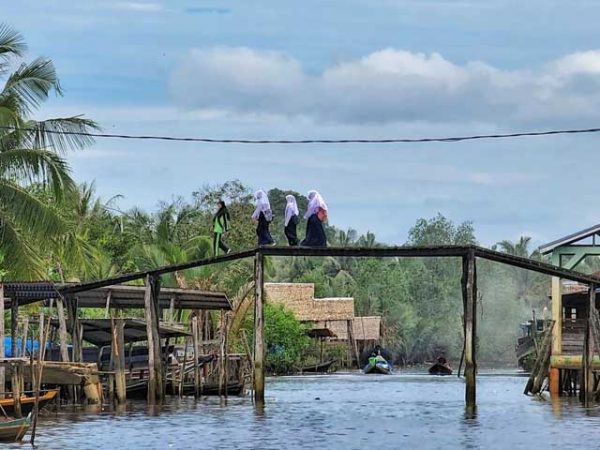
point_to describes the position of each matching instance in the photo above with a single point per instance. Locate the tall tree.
(30, 152)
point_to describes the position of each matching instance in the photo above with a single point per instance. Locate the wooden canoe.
(318, 368)
(382, 367)
(28, 401)
(13, 430)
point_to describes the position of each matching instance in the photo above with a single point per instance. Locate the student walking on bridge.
(316, 213)
(220, 227)
(291, 220)
(263, 216)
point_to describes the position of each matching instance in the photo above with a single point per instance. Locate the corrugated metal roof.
(574, 237)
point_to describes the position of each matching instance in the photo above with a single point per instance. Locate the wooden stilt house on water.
(109, 358)
(570, 304)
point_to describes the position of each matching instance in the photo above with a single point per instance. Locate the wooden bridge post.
(259, 329)
(469, 289)
(587, 386)
(155, 363)
(118, 356)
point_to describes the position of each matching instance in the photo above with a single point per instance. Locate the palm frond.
(32, 82)
(38, 166)
(20, 259)
(28, 213)
(11, 44)
(60, 134)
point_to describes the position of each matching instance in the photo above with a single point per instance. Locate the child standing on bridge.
(263, 216)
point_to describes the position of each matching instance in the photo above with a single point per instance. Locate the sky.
(338, 69)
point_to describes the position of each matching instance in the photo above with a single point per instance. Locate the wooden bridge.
(468, 254)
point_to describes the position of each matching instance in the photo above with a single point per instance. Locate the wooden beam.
(62, 330)
(469, 289)
(259, 329)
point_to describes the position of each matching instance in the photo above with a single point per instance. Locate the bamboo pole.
(226, 352)
(38, 382)
(62, 330)
(14, 316)
(259, 329)
(470, 305)
(16, 375)
(222, 355)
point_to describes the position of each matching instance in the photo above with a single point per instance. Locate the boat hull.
(14, 430)
(382, 367)
(28, 402)
(440, 369)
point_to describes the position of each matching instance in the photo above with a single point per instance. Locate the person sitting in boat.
(379, 357)
(373, 359)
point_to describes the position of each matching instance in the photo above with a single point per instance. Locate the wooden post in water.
(469, 289)
(195, 348)
(118, 355)
(62, 330)
(25, 332)
(259, 329)
(222, 355)
(587, 386)
(155, 379)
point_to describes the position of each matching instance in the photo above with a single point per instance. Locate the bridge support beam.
(587, 387)
(155, 361)
(259, 329)
(469, 290)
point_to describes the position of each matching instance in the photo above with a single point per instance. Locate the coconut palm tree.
(30, 152)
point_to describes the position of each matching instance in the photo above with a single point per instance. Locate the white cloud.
(390, 85)
(139, 6)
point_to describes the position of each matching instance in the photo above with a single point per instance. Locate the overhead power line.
(318, 141)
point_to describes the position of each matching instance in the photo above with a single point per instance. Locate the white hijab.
(315, 201)
(262, 206)
(291, 209)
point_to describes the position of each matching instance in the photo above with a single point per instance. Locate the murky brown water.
(346, 411)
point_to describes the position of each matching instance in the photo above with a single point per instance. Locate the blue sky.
(352, 68)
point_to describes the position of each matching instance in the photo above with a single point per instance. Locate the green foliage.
(285, 338)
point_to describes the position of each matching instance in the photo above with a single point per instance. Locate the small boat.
(28, 401)
(383, 367)
(441, 367)
(13, 430)
(318, 368)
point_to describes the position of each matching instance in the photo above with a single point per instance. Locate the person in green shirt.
(220, 227)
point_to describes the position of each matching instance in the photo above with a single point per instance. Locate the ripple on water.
(412, 411)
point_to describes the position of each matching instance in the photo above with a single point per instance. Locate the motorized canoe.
(28, 401)
(13, 430)
(382, 367)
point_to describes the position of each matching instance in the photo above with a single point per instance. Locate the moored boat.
(318, 368)
(13, 430)
(28, 401)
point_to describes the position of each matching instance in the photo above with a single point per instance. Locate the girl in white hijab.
(263, 216)
(316, 213)
(291, 220)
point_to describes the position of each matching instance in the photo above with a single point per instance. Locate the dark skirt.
(315, 233)
(262, 231)
(290, 231)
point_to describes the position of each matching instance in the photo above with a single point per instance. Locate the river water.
(342, 411)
